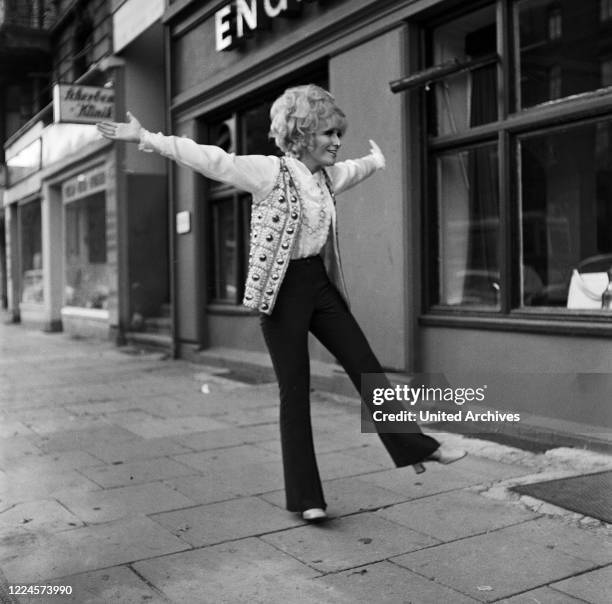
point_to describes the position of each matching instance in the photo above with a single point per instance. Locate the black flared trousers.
(308, 301)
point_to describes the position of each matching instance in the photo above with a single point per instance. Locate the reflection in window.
(565, 34)
(88, 275)
(30, 235)
(566, 187)
(468, 98)
(468, 216)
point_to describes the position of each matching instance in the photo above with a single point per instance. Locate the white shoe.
(446, 455)
(314, 515)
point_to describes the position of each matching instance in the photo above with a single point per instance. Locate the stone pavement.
(134, 478)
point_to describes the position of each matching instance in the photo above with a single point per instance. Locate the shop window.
(519, 156)
(605, 10)
(88, 275)
(30, 235)
(548, 35)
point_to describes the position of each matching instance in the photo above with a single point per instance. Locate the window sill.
(217, 308)
(572, 323)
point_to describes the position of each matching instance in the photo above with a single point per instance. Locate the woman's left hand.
(377, 154)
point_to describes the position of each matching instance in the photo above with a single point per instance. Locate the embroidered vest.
(274, 226)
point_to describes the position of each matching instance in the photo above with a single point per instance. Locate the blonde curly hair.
(299, 113)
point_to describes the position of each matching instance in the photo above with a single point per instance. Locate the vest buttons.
(275, 277)
(263, 257)
(275, 218)
(293, 199)
(269, 238)
(255, 277)
(248, 297)
(269, 292)
(290, 230)
(265, 306)
(294, 215)
(285, 246)
(280, 261)
(281, 199)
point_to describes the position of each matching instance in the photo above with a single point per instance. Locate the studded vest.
(274, 226)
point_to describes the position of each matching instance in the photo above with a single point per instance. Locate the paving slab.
(543, 595)
(95, 507)
(493, 566)
(227, 457)
(337, 464)
(218, 483)
(158, 427)
(238, 572)
(79, 439)
(54, 462)
(347, 496)
(216, 439)
(135, 472)
(589, 544)
(22, 485)
(594, 587)
(227, 520)
(440, 478)
(45, 515)
(136, 450)
(455, 515)
(119, 585)
(41, 557)
(343, 543)
(16, 448)
(387, 583)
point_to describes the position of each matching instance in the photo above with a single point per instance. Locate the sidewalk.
(132, 478)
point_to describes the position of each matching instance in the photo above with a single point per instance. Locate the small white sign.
(78, 104)
(183, 222)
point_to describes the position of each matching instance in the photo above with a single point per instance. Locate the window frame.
(512, 122)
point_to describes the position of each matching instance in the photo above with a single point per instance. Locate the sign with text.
(78, 104)
(85, 184)
(236, 20)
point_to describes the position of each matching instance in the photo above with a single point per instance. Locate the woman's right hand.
(121, 131)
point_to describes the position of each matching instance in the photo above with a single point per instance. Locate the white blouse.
(257, 174)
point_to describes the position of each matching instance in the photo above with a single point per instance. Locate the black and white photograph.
(305, 301)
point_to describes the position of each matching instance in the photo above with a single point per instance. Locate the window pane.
(225, 283)
(566, 215)
(31, 253)
(469, 98)
(563, 47)
(256, 125)
(88, 276)
(468, 210)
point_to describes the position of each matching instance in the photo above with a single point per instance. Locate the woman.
(295, 278)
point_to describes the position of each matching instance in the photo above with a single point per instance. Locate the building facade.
(484, 246)
(481, 253)
(86, 221)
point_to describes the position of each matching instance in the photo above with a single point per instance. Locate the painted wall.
(370, 216)
(556, 376)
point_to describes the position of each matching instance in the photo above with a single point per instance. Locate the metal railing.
(31, 14)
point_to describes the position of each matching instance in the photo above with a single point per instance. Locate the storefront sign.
(133, 18)
(82, 104)
(237, 19)
(84, 184)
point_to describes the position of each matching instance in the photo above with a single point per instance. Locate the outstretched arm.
(252, 173)
(347, 174)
